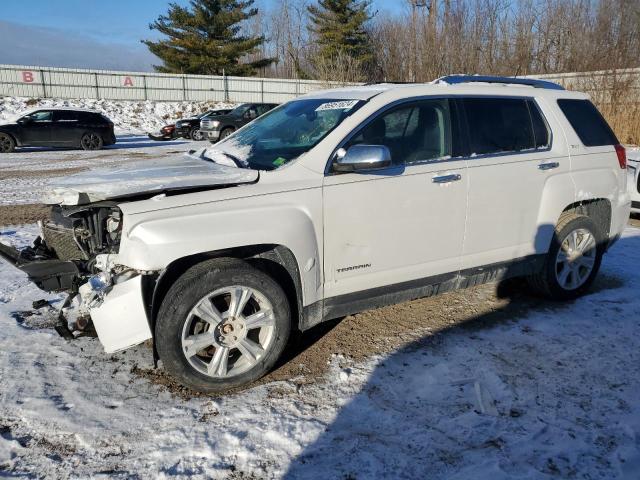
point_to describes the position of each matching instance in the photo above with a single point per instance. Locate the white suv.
(331, 204)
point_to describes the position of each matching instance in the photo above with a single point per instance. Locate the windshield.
(239, 110)
(283, 134)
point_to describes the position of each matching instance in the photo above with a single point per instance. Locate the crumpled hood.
(148, 176)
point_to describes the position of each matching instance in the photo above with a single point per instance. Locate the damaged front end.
(77, 253)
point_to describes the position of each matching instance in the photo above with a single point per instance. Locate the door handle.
(548, 166)
(454, 177)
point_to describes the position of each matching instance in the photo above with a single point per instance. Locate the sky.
(90, 33)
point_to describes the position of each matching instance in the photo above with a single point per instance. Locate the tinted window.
(262, 109)
(586, 120)
(540, 127)
(414, 132)
(65, 116)
(498, 125)
(42, 116)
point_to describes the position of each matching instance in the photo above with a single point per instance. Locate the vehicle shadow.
(502, 395)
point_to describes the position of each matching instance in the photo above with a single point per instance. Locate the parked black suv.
(224, 125)
(58, 128)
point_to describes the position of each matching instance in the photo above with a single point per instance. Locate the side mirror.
(23, 121)
(362, 157)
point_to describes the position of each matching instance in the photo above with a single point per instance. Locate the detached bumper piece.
(50, 275)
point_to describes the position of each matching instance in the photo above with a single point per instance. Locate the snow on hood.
(148, 176)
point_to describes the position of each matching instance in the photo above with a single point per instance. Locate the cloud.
(53, 47)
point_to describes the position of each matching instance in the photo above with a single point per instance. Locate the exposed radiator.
(63, 242)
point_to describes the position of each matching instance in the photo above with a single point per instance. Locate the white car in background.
(634, 178)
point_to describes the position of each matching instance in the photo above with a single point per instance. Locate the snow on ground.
(551, 394)
(25, 173)
(128, 116)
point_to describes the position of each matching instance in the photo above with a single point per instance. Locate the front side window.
(498, 125)
(282, 134)
(414, 132)
(41, 116)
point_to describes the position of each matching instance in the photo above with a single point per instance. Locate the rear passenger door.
(404, 223)
(65, 129)
(510, 161)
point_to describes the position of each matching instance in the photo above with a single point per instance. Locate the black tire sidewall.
(556, 291)
(190, 288)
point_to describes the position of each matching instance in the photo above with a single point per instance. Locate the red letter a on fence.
(128, 82)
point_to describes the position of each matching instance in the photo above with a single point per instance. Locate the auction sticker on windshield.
(344, 105)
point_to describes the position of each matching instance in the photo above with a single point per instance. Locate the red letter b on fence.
(27, 77)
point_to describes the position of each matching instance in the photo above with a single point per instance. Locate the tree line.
(348, 40)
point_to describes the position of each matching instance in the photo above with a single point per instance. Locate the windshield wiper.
(239, 163)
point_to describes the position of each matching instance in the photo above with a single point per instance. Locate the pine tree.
(206, 38)
(340, 28)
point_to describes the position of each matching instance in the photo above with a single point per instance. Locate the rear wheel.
(196, 134)
(91, 141)
(225, 133)
(222, 325)
(573, 259)
(7, 143)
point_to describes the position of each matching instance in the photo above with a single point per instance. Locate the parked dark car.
(224, 125)
(190, 127)
(60, 127)
(168, 132)
(186, 127)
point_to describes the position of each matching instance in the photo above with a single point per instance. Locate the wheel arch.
(277, 261)
(599, 210)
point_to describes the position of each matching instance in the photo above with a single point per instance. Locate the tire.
(196, 134)
(570, 274)
(225, 133)
(91, 141)
(7, 143)
(225, 354)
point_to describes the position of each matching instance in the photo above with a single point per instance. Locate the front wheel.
(7, 143)
(573, 259)
(222, 325)
(91, 141)
(225, 133)
(196, 134)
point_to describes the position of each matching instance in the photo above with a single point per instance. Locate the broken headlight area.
(76, 253)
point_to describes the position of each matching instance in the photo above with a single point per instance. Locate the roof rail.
(453, 79)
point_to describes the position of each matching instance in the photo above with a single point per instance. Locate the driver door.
(401, 227)
(37, 128)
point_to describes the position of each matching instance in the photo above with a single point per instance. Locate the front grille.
(206, 124)
(63, 242)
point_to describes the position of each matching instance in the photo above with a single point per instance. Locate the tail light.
(622, 156)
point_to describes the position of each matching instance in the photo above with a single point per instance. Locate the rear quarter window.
(588, 123)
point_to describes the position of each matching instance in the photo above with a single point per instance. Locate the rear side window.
(540, 127)
(587, 122)
(499, 125)
(65, 116)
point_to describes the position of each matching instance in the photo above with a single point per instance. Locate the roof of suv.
(366, 92)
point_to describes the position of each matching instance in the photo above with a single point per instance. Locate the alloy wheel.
(576, 259)
(91, 141)
(6, 144)
(228, 331)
